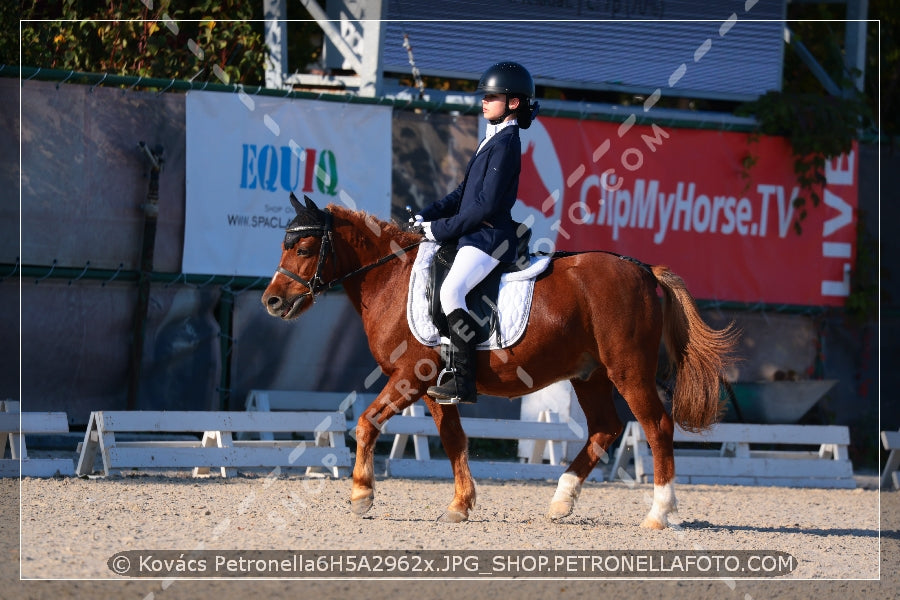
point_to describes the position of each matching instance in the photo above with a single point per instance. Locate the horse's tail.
(697, 353)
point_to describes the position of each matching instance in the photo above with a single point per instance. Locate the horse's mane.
(388, 230)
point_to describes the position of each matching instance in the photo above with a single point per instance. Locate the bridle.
(317, 284)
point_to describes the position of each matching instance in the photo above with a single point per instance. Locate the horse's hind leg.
(643, 399)
(604, 426)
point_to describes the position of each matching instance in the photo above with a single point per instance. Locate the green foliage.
(158, 39)
(818, 128)
(9, 33)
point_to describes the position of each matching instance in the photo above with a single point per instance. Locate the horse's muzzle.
(282, 308)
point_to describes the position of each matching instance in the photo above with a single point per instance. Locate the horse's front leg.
(455, 443)
(362, 494)
(396, 395)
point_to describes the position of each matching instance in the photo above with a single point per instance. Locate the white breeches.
(469, 268)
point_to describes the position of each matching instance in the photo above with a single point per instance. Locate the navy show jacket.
(478, 212)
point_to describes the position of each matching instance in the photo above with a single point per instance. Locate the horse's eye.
(303, 252)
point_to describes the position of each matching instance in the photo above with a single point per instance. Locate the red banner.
(680, 197)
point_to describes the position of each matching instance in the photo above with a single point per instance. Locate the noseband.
(316, 285)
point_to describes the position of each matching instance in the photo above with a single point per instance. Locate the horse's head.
(298, 279)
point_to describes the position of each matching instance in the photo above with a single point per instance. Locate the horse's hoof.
(361, 506)
(559, 510)
(453, 516)
(651, 523)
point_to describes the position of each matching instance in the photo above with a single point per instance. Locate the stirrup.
(442, 399)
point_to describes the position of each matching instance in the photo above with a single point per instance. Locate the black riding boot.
(461, 386)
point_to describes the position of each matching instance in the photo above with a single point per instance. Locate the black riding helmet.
(512, 79)
(507, 78)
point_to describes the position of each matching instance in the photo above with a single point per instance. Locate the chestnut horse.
(596, 321)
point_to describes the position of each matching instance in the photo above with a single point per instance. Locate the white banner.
(246, 154)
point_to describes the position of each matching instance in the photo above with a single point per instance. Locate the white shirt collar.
(492, 130)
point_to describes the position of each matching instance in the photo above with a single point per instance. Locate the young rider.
(477, 215)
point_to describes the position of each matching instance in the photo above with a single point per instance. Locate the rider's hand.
(416, 221)
(426, 226)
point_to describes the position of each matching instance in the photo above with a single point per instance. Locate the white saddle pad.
(514, 301)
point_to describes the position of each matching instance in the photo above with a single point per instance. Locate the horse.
(596, 321)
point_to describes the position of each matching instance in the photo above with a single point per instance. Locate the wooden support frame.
(746, 454)
(217, 448)
(891, 475)
(14, 426)
(546, 430)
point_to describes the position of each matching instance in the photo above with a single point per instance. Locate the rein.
(317, 285)
(384, 259)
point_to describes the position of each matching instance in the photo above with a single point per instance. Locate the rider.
(476, 215)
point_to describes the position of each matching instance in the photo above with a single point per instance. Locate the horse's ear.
(296, 203)
(309, 203)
